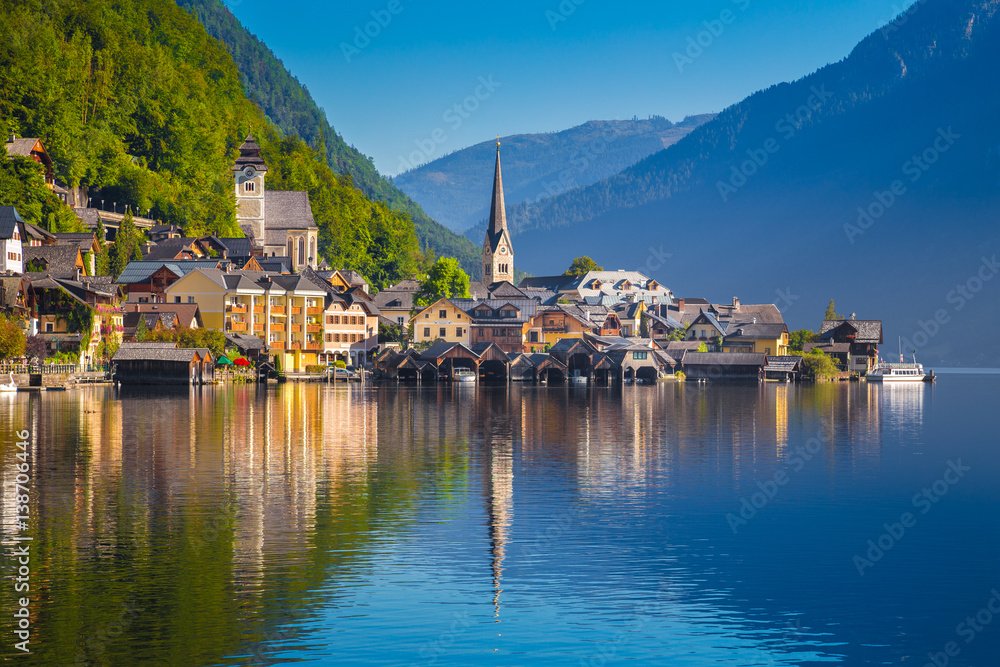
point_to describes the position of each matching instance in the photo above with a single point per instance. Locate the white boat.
(12, 386)
(463, 375)
(578, 379)
(886, 372)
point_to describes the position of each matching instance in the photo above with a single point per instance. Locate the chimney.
(736, 302)
(680, 304)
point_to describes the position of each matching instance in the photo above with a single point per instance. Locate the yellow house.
(769, 339)
(554, 323)
(442, 320)
(286, 311)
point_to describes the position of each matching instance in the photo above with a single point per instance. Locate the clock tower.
(498, 254)
(248, 173)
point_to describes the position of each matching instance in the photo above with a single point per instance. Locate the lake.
(780, 524)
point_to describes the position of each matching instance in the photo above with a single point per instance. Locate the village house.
(552, 324)
(498, 321)
(396, 301)
(285, 311)
(707, 329)
(350, 317)
(767, 339)
(75, 316)
(32, 149)
(604, 287)
(443, 320)
(147, 281)
(852, 342)
(662, 327)
(87, 242)
(11, 233)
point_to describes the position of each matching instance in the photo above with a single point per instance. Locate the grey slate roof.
(868, 331)
(245, 341)
(237, 247)
(9, 218)
(784, 364)
(287, 210)
(10, 287)
(250, 155)
(755, 331)
(665, 320)
(140, 270)
(394, 300)
(21, 146)
(60, 259)
(723, 359)
(136, 353)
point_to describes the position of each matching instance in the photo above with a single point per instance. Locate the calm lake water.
(673, 524)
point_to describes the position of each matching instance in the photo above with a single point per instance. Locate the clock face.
(248, 172)
(503, 250)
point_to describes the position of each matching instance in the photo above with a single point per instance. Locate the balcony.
(314, 328)
(295, 310)
(278, 310)
(258, 327)
(258, 309)
(237, 326)
(295, 345)
(236, 308)
(555, 330)
(277, 345)
(314, 311)
(314, 346)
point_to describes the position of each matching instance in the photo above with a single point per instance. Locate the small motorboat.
(464, 375)
(897, 373)
(12, 386)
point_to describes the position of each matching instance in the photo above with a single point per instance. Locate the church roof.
(287, 210)
(250, 156)
(498, 213)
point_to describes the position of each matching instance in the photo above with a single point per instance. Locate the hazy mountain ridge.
(451, 188)
(913, 106)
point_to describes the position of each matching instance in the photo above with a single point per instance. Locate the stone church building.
(498, 254)
(280, 222)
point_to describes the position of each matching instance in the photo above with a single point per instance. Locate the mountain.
(134, 100)
(290, 106)
(874, 181)
(535, 165)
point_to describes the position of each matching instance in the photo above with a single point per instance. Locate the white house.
(11, 228)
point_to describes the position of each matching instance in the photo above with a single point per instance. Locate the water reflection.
(230, 514)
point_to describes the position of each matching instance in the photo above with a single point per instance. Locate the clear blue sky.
(557, 63)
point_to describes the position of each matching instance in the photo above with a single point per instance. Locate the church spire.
(498, 213)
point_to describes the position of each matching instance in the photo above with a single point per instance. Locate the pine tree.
(127, 246)
(831, 312)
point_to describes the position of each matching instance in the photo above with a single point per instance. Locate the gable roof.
(711, 319)
(867, 331)
(61, 261)
(287, 210)
(756, 331)
(184, 312)
(142, 352)
(723, 359)
(9, 219)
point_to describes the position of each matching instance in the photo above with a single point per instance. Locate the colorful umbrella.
(240, 361)
(223, 361)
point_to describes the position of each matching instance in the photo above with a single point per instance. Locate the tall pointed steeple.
(498, 254)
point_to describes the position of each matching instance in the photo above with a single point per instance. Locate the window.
(177, 299)
(312, 248)
(48, 327)
(399, 320)
(290, 254)
(442, 332)
(442, 314)
(458, 331)
(534, 336)
(236, 300)
(302, 251)
(639, 355)
(508, 313)
(329, 338)
(427, 332)
(248, 186)
(190, 299)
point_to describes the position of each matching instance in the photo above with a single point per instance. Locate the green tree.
(703, 348)
(142, 331)
(581, 266)
(678, 334)
(128, 245)
(831, 312)
(798, 339)
(446, 279)
(817, 364)
(12, 338)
